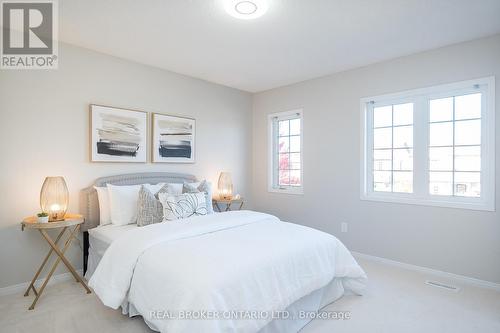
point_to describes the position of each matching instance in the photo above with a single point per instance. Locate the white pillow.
(154, 188)
(183, 205)
(123, 203)
(209, 195)
(203, 186)
(175, 188)
(104, 208)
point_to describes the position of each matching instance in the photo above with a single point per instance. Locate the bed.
(99, 239)
(226, 272)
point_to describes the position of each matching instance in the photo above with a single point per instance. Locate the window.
(285, 152)
(393, 148)
(431, 146)
(455, 146)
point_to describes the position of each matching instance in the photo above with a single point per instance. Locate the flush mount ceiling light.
(246, 9)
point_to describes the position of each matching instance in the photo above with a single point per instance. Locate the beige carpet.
(396, 300)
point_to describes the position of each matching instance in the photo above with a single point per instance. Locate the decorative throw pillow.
(183, 205)
(104, 207)
(204, 187)
(149, 208)
(175, 188)
(154, 188)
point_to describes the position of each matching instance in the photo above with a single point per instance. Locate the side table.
(228, 203)
(71, 222)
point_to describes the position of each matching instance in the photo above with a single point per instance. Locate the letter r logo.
(28, 27)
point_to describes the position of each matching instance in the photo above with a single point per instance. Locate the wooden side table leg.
(63, 258)
(69, 240)
(32, 284)
(218, 207)
(228, 206)
(241, 205)
(54, 266)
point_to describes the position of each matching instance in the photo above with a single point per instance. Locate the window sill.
(287, 190)
(446, 202)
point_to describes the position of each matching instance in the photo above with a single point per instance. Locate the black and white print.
(173, 139)
(118, 135)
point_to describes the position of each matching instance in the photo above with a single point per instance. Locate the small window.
(285, 152)
(431, 146)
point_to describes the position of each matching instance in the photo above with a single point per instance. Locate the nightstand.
(71, 222)
(228, 203)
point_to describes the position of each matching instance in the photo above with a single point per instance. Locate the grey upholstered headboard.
(90, 205)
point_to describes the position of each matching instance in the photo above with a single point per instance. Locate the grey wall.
(459, 241)
(44, 131)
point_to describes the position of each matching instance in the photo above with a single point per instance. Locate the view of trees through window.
(289, 150)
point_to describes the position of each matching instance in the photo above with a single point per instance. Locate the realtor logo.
(29, 35)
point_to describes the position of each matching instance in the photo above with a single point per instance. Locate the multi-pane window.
(286, 152)
(393, 148)
(431, 146)
(455, 145)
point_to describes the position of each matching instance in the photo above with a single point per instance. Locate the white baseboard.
(459, 278)
(21, 287)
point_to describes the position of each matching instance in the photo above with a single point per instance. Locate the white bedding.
(100, 239)
(244, 261)
(108, 233)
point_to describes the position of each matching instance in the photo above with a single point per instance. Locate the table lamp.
(54, 198)
(225, 186)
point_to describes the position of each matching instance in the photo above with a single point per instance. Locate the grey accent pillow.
(149, 208)
(203, 187)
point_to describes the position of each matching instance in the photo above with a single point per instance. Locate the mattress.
(99, 240)
(108, 233)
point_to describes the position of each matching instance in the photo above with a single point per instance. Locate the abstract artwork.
(173, 139)
(118, 135)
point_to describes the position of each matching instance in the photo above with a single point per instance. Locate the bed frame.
(89, 204)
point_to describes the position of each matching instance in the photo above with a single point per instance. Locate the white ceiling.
(294, 41)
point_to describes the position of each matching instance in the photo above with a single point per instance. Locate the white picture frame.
(118, 135)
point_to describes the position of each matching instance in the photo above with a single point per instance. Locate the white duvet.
(218, 264)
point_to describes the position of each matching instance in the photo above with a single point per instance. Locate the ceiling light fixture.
(246, 9)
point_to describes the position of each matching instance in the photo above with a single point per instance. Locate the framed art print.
(118, 135)
(173, 139)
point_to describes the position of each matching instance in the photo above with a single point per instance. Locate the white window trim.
(299, 190)
(421, 194)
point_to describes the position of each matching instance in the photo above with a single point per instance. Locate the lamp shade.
(225, 186)
(54, 198)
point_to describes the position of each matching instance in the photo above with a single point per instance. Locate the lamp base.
(56, 217)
